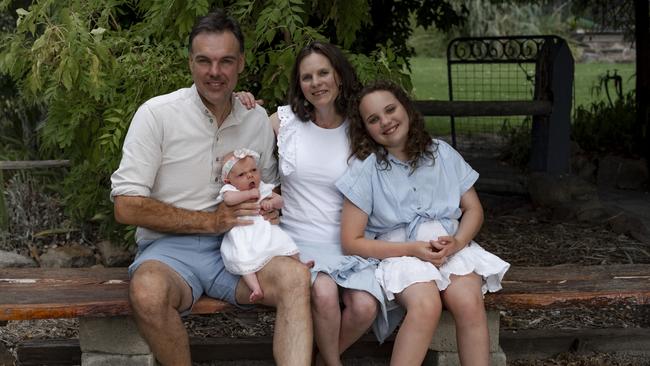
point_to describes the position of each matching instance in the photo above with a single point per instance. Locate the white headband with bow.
(236, 156)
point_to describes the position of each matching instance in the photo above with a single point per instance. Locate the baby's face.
(244, 175)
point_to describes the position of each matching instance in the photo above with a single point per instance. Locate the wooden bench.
(107, 335)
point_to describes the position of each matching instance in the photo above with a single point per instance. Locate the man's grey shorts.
(197, 259)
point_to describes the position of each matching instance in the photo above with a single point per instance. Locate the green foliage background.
(84, 66)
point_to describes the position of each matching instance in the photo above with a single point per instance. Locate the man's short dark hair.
(217, 22)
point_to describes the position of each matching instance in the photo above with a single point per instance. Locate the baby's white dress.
(246, 249)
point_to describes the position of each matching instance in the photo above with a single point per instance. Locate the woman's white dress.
(311, 159)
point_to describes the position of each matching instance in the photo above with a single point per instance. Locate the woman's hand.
(247, 99)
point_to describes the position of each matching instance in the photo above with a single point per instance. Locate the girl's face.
(319, 81)
(386, 120)
(244, 175)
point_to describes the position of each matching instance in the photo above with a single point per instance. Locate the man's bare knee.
(284, 278)
(295, 276)
(155, 288)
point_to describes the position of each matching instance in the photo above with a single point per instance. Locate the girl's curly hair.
(418, 144)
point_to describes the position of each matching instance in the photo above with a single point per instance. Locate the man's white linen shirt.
(173, 149)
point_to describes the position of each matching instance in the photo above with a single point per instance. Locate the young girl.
(246, 249)
(410, 202)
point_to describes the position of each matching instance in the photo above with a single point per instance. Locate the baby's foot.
(256, 296)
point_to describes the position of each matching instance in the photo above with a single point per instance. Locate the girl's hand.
(446, 246)
(428, 253)
(247, 99)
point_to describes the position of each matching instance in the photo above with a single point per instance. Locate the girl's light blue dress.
(397, 199)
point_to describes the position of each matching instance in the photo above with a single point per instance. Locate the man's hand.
(226, 217)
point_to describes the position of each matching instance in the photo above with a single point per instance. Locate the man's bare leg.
(156, 294)
(286, 287)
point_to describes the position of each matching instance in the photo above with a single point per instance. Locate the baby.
(246, 249)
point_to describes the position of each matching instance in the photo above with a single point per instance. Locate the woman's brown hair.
(348, 86)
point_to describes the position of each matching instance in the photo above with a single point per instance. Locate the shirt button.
(211, 120)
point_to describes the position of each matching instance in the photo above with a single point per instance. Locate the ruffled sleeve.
(287, 139)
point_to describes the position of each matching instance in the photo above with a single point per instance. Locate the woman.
(313, 149)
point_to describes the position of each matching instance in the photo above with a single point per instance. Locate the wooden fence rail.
(33, 164)
(484, 108)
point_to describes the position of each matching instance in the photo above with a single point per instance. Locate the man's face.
(215, 63)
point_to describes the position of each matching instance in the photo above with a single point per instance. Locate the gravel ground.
(513, 230)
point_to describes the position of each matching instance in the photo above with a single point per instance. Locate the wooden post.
(642, 35)
(550, 147)
(4, 216)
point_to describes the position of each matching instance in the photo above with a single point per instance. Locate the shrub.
(90, 64)
(605, 127)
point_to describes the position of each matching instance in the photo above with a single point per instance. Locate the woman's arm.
(353, 226)
(275, 122)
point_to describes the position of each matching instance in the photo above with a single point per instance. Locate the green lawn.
(429, 77)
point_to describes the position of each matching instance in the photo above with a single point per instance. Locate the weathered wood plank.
(33, 164)
(57, 352)
(483, 108)
(39, 293)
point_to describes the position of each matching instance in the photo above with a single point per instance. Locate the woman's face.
(386, 119)
(319, 81)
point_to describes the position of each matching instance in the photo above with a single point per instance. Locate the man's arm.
(158, 216)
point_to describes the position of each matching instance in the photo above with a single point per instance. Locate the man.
(167, 185)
